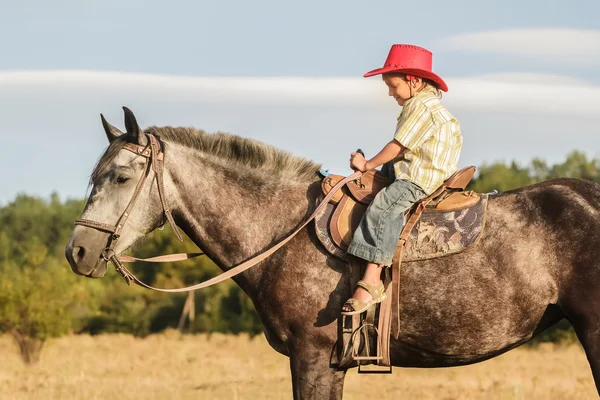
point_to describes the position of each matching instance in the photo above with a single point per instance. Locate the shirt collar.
(428, 91)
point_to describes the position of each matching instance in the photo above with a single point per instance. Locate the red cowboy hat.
(410, 60)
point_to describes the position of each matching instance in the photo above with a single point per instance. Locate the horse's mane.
(233, 149)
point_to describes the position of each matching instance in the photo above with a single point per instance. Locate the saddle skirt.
(452, 219)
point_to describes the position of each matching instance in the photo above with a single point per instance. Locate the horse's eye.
(122, 179)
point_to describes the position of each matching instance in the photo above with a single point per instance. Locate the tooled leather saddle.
(446, 222)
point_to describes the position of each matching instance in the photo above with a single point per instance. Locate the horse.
(536, 262)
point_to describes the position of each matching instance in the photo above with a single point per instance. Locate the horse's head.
(124, 204)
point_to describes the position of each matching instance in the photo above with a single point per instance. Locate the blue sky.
(522, 74)
(257, 38)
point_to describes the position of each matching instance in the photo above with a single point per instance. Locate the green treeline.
(40, 297)
(503, 177)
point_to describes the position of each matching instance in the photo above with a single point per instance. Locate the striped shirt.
(432, 138)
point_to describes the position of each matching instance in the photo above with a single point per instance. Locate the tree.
(577, 166)
(40, 297)
(37, 290)
(503, 177)
(500, 177)
(35, 302)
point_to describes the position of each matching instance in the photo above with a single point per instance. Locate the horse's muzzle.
(84, 261)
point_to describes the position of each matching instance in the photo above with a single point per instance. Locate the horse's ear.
(134, 129)
(111, 132)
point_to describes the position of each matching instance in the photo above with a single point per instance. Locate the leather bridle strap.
(158, 163)
(115, 230)
(129, 277)
(165, 258)
(155, 160)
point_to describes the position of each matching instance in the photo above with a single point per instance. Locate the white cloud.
(574, 47)
(241, 90)
(524, 93)
(531, 78)
(54, 115)
(526, 98)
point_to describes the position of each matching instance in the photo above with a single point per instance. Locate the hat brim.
(411, 71)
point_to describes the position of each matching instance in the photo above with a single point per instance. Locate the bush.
(35, 303)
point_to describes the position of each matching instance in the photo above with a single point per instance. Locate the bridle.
(155, 162)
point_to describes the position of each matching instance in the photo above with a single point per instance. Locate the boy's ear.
(414, 80)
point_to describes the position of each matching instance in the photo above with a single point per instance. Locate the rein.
(155, 162)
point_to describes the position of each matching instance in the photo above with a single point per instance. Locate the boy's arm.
(388, 153)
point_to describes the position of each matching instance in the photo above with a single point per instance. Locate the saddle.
(446, 222)
(350, 203)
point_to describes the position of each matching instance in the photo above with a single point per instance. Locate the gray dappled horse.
(538, 260)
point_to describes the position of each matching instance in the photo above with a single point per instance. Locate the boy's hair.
(426, 82)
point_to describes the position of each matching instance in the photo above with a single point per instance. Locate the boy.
(423, 153)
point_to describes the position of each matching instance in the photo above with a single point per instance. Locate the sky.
(523, 77)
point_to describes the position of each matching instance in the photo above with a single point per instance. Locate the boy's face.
(399, 89)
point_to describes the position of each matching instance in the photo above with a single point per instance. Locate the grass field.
(170, 366)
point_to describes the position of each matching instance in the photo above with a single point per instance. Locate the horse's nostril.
(78, 253)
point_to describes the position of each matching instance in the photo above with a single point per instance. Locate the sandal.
(377, 296)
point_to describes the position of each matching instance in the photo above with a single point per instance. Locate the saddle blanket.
(436, 234)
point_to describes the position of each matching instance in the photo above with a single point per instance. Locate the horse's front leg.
(312, 376)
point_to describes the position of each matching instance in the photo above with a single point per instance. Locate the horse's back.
(497, 294)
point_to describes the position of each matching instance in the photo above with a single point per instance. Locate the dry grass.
(169, 366)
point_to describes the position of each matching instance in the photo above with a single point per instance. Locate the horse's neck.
(233, 214)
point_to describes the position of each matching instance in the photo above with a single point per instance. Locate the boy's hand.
(358, 162)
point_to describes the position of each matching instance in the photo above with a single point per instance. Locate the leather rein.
(155, 162)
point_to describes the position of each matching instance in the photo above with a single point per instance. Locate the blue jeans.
(376, 237)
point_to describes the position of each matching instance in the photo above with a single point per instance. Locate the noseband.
(155, 161)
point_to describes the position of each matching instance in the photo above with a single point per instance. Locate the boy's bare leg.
(373, 276)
